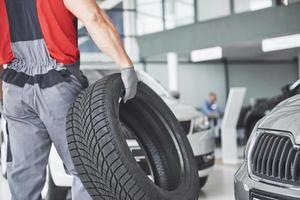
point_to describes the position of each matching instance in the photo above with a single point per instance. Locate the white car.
(194, 124)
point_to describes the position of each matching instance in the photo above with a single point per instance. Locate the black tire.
(102, 158)
(55, 192)
(203, 181)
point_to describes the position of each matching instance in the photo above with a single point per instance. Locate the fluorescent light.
(213, 53)
(280, 43)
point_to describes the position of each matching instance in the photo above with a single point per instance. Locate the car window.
(153, 84)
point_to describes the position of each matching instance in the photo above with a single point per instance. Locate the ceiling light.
(280, 43)
(213, 53)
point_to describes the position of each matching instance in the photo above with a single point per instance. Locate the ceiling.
(253, 51)
(250, 51)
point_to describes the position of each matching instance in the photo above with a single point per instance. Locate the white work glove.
(130, 82)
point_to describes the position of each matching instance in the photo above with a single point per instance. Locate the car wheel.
(203, 181)
(103, 159)
(55, 192)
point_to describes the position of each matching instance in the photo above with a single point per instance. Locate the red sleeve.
(6, 54)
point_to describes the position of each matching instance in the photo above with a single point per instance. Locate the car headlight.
(200, 124)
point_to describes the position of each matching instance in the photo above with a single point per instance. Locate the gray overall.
(37, 92)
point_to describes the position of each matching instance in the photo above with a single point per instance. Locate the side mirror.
(175, 94)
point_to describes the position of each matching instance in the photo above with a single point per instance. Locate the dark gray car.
(271, 169)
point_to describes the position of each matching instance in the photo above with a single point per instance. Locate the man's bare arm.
(107, 38)
(101, 29)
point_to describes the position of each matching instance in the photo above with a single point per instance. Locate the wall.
(207, 9)
(197, 80)
(262, 80)
(159, 72)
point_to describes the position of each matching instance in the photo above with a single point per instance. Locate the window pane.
(149, 16)
(179, 12)
(147, 24)
(149, 7)
(210, 9)
(251, 5)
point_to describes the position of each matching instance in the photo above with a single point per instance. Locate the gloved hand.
(130, 81)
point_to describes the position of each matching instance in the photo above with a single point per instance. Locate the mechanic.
(210, 106)
(41, 78)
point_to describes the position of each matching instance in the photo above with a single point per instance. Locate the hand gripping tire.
(103, 159)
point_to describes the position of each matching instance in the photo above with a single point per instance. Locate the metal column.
(196, 11)
(232, 11)
(130, 41)
(173, 73)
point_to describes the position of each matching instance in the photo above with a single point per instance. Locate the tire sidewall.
(189, 182)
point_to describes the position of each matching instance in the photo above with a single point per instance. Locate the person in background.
(212, 110)
(210, 106)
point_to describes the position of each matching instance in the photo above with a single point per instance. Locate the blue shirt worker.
(210, 106)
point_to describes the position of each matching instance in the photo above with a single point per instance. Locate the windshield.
(96, 74)
(153, 84)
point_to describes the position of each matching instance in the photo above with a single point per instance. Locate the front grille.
(275, 158)
(186, 126)
(262, 195)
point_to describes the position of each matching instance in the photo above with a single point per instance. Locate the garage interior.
(242, 51)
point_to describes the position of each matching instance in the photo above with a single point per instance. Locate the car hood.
(181, 111)
(284, 117)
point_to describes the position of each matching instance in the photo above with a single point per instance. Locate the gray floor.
(4, 191)
(219, 185)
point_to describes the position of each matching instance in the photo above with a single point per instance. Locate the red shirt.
(58, 27)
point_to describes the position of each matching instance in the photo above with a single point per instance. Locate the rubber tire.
(102, 158)
(203, 181)
(55, 192)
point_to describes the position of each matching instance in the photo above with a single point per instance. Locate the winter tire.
(102, 158)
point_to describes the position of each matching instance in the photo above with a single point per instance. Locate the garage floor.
(219, 185)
